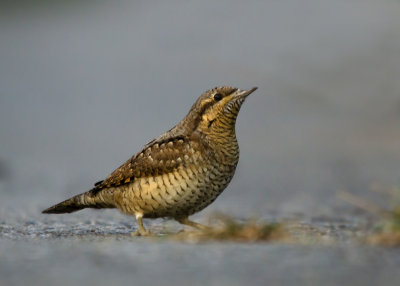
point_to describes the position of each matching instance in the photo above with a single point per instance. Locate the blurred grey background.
(85, 84)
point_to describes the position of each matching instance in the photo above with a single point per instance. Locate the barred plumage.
(180, 172)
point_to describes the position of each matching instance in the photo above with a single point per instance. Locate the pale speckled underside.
(186, 189)
(176, 194)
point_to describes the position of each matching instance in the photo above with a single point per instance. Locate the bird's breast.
(181, 192)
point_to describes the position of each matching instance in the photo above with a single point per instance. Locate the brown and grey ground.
(94, 248)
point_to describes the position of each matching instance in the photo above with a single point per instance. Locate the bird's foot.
(141, 233)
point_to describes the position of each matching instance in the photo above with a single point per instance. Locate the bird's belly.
(176, 194)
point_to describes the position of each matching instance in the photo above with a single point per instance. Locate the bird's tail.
(89, 199)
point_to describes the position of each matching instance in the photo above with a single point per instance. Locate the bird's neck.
(225, 145)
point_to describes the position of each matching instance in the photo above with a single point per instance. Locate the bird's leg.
(141, 231)
(187, 221)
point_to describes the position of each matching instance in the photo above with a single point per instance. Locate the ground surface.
(96, 248)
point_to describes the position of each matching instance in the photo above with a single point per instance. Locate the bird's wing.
(160, 156)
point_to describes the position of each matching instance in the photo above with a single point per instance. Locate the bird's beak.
(237, 99)
(245, 93)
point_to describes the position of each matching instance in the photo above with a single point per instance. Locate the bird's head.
(216, 110)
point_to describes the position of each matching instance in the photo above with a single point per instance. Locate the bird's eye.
(217, 97)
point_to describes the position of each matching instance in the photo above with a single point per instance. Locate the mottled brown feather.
(158, 157)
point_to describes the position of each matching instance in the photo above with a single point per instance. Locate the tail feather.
(79, 202)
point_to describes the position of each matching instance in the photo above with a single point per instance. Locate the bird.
(178, 173)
